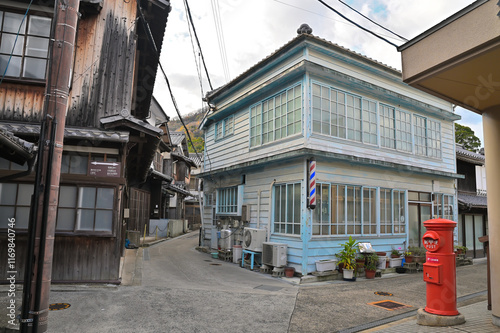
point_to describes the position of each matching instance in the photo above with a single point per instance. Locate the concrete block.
(425, 318)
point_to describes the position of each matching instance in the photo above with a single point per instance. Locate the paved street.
(181, 291)
(178, 289)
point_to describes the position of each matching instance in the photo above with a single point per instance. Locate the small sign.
(105, 169)
(435, 260)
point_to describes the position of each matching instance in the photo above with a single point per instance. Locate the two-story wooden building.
(108, 145)
(385, 152)
(472, 201)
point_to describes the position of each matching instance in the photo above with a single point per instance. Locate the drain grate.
(383, 293)
(390, 305)
(213, 264)
(58, 306)
(207, 260)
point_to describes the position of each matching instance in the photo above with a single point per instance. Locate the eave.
(302, 153)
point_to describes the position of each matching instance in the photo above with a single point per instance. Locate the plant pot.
(341, 266)
(348, 274)
(382, 262)
(381, 254)
(370, 274)
(395, 256)
(396, 262)
(326, 265)
(289, 271)
(409, 258)
(360, 263)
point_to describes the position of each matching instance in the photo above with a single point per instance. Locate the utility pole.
(38, 275)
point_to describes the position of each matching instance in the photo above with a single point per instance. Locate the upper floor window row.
(340, 114)
(224, 128)
(344, 115)
(24, 45)
(277, 117)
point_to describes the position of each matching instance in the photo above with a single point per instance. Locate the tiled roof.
(69, 132)
(15, 149)
(469, 156)
(177, 189)
(472, 200)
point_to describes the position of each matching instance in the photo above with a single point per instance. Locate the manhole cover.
(383, 293)
(390, 305)
(207, 260)
(58, 306)
(215, 264)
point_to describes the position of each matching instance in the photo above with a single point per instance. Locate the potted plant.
(347, 257)
(360, 261)
(408, 256)
(395, 253)
(371, 266)
(418, 253)
(460, 249)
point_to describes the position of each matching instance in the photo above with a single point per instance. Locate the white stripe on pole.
(312, 184)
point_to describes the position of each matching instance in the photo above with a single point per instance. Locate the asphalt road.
(183, 290)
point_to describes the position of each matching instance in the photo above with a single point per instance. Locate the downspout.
(258, 209)
(270, 210)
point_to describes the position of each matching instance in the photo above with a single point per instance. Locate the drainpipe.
(258, 209)
(55, 107)
(270, 210)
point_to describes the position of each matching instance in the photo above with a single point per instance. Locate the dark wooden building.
(108, 146)
(472, 203)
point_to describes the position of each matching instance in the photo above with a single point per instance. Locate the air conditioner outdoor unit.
(253, 239)
(274, 254)
(226, 239)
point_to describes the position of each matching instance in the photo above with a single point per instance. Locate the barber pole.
(312, 183)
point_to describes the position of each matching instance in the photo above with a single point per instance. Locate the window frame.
(77, 209)
(283, 223)
(346, 125)
(24, 38)
(361, 217)
(270, 125)
(222, 130)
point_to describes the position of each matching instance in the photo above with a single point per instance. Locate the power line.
(157, 53)
(198, 41)
(369, 19)
(328, 17)
(220, 38)
(362, 28)
(197, 63)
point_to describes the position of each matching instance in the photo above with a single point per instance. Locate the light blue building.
(385, 152)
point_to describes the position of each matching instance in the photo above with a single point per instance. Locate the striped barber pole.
(312, 183)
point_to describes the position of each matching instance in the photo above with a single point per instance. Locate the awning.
(15, 149)
(472, 201)
(173, 189)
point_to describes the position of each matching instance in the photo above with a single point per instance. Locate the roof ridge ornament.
(304, 29)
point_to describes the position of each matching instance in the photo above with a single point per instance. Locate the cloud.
(254, 29)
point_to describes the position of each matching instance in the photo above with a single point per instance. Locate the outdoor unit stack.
(274, 254)
(226, 240)
(253, 239)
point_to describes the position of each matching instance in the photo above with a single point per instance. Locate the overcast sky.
(254, 29)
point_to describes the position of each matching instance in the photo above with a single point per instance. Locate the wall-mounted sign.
(105, 169)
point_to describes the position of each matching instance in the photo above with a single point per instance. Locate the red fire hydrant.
(440, 268)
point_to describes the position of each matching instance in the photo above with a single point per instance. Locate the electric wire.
(157, 53)
(369, 19)
(359, 26)
(328, 17)
(15, 41)
(190, 18)
(220, 38)
(197, 62)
